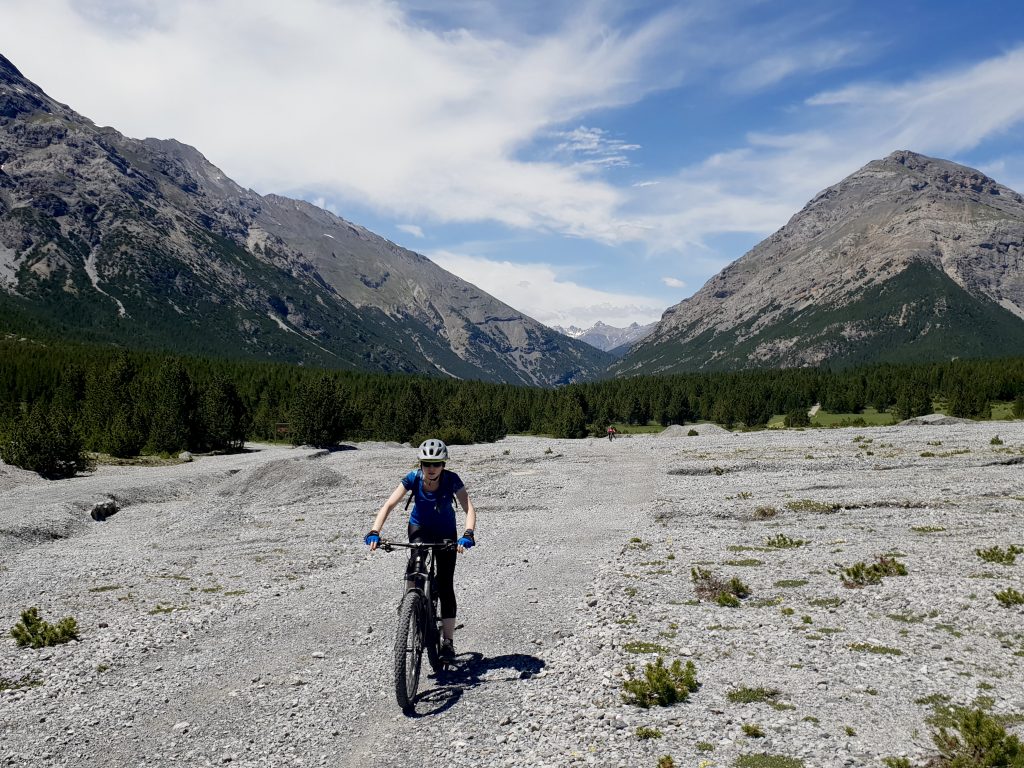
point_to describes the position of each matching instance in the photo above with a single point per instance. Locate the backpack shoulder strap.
(415, 488)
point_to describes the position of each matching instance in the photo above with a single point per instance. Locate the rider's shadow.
(468, 672)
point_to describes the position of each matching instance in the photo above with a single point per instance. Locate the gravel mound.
(678, 430)
(933, 419)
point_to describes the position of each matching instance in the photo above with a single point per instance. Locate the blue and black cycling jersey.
(434, 511)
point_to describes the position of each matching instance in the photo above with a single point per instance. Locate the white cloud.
(538, 291)
(412, 229)
(352, 99)
(673, 282)
(595, 146)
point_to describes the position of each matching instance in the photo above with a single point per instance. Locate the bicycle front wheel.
(409, 641)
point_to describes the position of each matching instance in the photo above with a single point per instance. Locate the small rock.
(182, 726)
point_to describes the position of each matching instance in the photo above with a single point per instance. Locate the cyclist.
(611, 433)
(433, 519)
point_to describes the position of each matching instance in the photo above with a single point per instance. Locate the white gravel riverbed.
(230, 613)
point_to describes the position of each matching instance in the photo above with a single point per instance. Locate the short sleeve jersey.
(434, 511)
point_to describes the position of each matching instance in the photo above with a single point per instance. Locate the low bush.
(707, 586)
(660, 685)
(999, 555)
(32, 631)
(862, 574)
(782, 541)
(752, 695)
(752, 731)
(976, 739)
(643, 733)
(1010, 597)
(765, 513)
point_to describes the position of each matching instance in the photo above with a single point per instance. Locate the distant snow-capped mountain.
(607, 337)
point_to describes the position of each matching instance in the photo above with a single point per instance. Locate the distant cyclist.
(434, 489)
(611, 433)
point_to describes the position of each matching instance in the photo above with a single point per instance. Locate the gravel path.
(230, 614)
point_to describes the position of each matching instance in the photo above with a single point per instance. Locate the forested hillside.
(126, 403)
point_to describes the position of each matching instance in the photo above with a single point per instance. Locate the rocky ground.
(230, 614)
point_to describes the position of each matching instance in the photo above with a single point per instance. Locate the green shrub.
(660, 685)
(643, 733)
(34, 632)
(862, 574)
(765, 513)
(782, 541)
(767, 761)
(666, 761)
(692, 433)
(995, 441)
(1010, 597)
(979, 739)
(797, 418)
(752, 731)
(752, 695)
(896, 762)
(999, 555)
(46, 441)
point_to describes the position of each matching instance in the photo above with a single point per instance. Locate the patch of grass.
(643, 733)
(791, 583)
(995, 441)
(806, 619)
(34, 632)
(707, 586)
(782, 541)
(927, 529)
(666, 761)
(999, 555)
(752, 731)
(810, 505)
(1009, 597)
(896, 762)
(660, 685)
(752, 695)
(745, 548)
(105, 588)
(747, 562)
(825, 602)
(862, 574)
(879, 649)
(638, 646)
(765, 760)
(704, 746)
(787, 611)
(765, 513)
(166, 609)
(849, 731)
(18, 685)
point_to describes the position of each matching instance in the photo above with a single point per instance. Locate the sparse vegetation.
(976, 738)
(879, 649)
(927, 529)
(642, 647)
(644, 732)
(34, 632)
(707, 586)
(1010, 597)
(810, 505)
(862, 574)
(995, 441)
(26, 681)
(782, 541)
(767, 761)
(752, 695)
(999, 555)
(790, 583)
(765, 513)
(660, 685)
(752, 731)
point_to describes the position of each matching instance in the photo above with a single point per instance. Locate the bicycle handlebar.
(443, 546)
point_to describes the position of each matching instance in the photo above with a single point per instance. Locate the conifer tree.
(170, 403)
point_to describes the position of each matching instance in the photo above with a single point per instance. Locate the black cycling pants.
(445, 562)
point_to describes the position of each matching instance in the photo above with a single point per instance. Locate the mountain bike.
(419, 620)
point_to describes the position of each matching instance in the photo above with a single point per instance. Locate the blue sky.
(581, 161)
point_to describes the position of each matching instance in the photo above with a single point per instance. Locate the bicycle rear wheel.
(409, 640)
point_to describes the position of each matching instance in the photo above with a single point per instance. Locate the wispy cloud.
(673, 282)
(539, 291)
(412, 229)
(595, 147)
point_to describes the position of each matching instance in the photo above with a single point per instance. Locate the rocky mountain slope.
(909, 258)
(607, 337)
(146, 243)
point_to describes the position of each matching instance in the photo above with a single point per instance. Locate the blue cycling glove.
(373, 537)
(467, 540)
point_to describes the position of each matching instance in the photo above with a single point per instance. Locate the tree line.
(58, 403)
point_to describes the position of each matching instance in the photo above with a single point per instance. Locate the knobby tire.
(409, 641)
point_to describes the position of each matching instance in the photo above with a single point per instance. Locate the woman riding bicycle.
(433, 519)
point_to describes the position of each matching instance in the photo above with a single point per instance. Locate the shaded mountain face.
(147, 244)
(908, 259)
(607, 337)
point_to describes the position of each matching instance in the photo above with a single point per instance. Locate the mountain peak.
(910, 257)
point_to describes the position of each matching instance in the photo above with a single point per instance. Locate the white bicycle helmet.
(433, 450)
